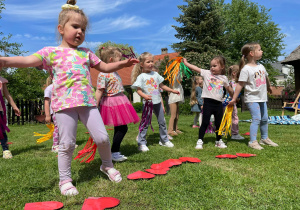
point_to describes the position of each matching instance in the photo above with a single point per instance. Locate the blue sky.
(144, 24)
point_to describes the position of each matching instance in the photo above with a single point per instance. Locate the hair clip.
(70, 6)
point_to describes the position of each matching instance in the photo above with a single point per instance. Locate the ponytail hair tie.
(70, 6)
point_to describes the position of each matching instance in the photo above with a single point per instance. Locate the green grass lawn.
(268, 181)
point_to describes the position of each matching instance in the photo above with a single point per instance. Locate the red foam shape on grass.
(140, 175)
(95, 203)
(245, 155)
(226, 156)
(166, 164)
(190, 159)
(46, 205)
(246, 134)
(161, 171)
(7, 143)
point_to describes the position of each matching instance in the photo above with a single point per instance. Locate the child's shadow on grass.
(27, 149)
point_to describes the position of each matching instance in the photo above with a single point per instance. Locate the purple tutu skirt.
(117, 110)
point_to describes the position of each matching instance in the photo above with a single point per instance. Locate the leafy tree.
(246, 22)
(202, 27)
(26, 83)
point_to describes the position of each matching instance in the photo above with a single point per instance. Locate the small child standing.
(115, 108)
(233, 71)
(72, 97)
(50, 114)
(213, 82)
(4, 91)
(196, 101)
(147, 83)
(254, 78)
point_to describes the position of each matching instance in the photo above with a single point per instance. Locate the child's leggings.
(4, 140)
(235, 121)
(67, 125)
(198, 117)
(259, 114)
(159, 112)
(211, 107)
(55, 132)
(120, 132)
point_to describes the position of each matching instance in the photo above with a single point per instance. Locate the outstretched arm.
(20, 61)
(166, 88)
(191, 66)
(115, 66)
(10, 100)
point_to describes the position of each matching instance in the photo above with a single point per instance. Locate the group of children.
(72, 95)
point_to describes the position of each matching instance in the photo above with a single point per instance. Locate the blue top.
(197, 107)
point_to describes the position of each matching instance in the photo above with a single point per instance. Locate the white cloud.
(110, 25)
(41, 11)
(91, 45)
(32, 37)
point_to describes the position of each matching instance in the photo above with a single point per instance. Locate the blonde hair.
(105, 53)
(48, 81)
(66, 14)
(246, 49)
(193, 99)
(233, 69)
(137, 69)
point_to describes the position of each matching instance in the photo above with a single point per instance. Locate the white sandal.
(113, 174)
(67, 188)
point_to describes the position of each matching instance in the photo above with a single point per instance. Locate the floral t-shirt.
(70, 69)
(213, 85)
(149, 83)
(110, 82)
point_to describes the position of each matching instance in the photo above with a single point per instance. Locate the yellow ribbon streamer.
(225, 127)
(45, 136)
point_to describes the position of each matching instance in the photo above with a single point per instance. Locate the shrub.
(138, 107)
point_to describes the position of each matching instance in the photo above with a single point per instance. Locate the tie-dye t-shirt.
(110, 82)
(213, 85)
(149, 83)
(70, 69)
(255, 83)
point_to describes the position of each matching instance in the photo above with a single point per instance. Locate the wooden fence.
(29, 110)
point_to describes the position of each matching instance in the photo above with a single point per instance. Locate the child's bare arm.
(191, 66)
(20, 61)
(111, 67)
(143, 95)
(238, 89)
(99, 93)
(10, 100)
(166, 88)
(269, 89)
(47, 110)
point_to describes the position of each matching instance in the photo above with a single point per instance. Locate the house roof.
(294, 56)
(125, 73)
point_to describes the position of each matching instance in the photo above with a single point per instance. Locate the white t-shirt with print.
(149, 83)
(255, 83)
(213, 85)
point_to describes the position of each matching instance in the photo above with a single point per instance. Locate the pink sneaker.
(196, 126)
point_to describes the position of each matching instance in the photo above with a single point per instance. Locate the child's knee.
(65, 147)
(102, 140)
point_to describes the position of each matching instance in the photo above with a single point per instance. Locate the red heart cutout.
(226, 156)
(94, 203)
(245, 155)
(158, 171)
(7, 143)
(246, 134)
(190, 159)
(157, 166)
(47, 205)
(140, 175)
(171, 162)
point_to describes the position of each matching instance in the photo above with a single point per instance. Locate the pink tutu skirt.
(117, 110)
